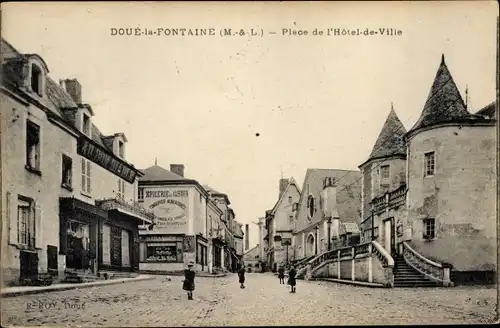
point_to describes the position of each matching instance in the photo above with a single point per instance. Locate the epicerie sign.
(165, 193)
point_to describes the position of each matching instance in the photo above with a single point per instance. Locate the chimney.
(177, 169)
(74, 88)
(247, 241)
(283, 185)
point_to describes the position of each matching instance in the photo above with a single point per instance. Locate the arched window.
(310, 207)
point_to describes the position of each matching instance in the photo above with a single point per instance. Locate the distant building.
(233, 236)
(280, 222)
(251, 258)
(328, 207)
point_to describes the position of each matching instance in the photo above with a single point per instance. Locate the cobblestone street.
(220, 301)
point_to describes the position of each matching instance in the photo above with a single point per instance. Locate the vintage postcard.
(168, 164)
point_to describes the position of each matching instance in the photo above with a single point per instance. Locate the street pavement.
(220, 302)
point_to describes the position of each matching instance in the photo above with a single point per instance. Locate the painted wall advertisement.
(170, 208)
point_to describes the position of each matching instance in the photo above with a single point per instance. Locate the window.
(121, 149)
(67, 171)
(36, 79)
(32, 146)
(429, 163)
(121, 189)
(290, 200)
(26, 223)
(140, 194)
(290, 218)
(86, 125)
(310, 206)
(86, 178)
(384, 171)
(163, 253)
(429, 228)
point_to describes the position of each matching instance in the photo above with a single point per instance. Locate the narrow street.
(220, 301)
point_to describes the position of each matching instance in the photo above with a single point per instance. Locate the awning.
(130, 209)
(70, 204)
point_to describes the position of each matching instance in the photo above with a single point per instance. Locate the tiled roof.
(211, 190)
(251, 253)
(444, 102)
(59, 101)
(488, 110)
(348, 195)
(350, 227)
(158, 173)
(390, 140)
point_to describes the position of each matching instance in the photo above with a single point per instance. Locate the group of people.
(189, 275)
(292, 274)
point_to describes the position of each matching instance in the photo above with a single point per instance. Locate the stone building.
(180, 230)
(280, 221)
(233, 236)
(68, 191)
(252, 260)
(329, 200)
(441, 204)
(383, 171)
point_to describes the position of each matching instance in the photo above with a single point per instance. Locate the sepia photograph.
(238, 163)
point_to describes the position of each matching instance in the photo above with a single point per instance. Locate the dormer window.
(86, 124)
(121, 149)
(36, 79)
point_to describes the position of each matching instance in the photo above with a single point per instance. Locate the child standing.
(281, 274)
(188, 284)
(291, 278)
(241, 275)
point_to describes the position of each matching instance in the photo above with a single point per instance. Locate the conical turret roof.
(390, 140)
(444, 103)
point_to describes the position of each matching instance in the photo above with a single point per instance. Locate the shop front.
(201, 253)
(217, 253)
(79, 225)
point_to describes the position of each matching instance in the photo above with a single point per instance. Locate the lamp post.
(329, 224)
(373, 228)
(316, 241)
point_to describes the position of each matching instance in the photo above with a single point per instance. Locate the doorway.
(310, 245)
(389, 236)
(28, 265)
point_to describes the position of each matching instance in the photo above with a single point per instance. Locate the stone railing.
(391, 199)
(439, 272)
(368, 262)
(384, 257)
(117, 203)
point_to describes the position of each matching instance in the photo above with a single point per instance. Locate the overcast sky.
(316, 102)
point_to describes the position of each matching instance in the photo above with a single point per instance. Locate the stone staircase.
(79, 276)
(406, 276)
(301, 267)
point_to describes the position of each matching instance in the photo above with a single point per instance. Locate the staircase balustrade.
(436, 271)
(382, 254)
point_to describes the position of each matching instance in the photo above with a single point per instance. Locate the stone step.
(410, 278)
(416, 285)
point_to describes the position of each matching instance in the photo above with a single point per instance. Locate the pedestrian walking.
(241, 276)
(281, 274)
(291, 278)
(188, 283)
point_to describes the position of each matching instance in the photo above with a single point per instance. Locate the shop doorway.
(77, 256)
(28, 265)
